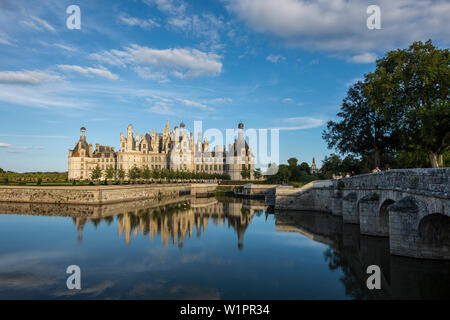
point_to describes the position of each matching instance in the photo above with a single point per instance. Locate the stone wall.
(429, 180)
(313, 199)
(98, 194)
(409, 234)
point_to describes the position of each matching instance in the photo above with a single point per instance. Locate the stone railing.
(424, 180)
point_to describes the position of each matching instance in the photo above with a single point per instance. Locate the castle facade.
(173, 150)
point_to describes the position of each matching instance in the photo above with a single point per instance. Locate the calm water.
(200, 249)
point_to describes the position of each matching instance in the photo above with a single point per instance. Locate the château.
(173, 150)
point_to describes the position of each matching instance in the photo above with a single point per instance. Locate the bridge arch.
(434, 231)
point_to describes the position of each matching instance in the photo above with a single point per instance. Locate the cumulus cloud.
(87, 71)
(178, 62)
(340, 26)
(363, 58)
(27, 77)
(275, 59)
(143, 23)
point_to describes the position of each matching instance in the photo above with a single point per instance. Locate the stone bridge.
(410, 206)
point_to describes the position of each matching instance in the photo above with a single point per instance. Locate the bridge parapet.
(428, 180)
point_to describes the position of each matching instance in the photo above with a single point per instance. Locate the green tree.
(146, 173)
(156, 173)
(351, 165)
(257, 173)
(304, 167)
(110, 172)
(121, 174)
(332, 164)
(245, 172)
(96, 173)
(134, 173)
(362, 129)
(292, 162)
(411, 87)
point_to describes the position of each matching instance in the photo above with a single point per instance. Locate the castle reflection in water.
(176, 221)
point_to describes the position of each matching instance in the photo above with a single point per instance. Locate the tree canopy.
(402, 107)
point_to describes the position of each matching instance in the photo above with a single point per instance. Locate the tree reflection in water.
(351, 253)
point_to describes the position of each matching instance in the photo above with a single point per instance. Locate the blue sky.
(268, 63)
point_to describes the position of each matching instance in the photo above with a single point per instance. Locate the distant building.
(173, 150)
(313, 167)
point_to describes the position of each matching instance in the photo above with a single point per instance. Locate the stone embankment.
(101, 194)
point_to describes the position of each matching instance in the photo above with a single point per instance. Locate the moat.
(206, 248)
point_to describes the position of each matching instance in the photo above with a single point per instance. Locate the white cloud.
(168, 6)
(87, 71)
(4, 39)
(275, 59)
(113, 57)
(300, 123)
(218, 100)
(10, 146)
(38, 24)
(205, 26)
(179, 62)
(27, 77)
(143, 23)
(5, 145)
(65, 47)
(163, 106)
(363, 58)
(287, 100)
(195, 104)
(339, 26)
(51, 95)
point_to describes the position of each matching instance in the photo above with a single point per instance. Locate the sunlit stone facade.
(173, 150)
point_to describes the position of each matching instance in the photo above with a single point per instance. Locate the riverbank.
(101, 194)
